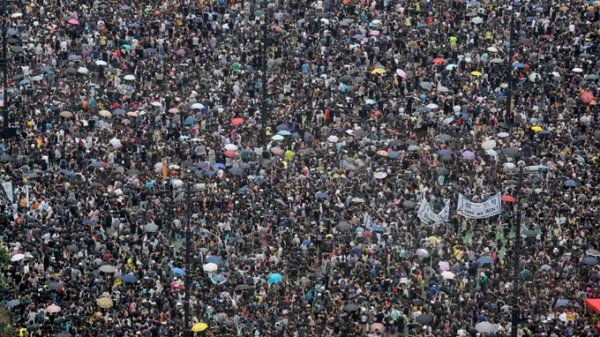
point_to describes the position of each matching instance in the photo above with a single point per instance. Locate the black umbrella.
(133, 172)
(344, 226)
(445, 137)
(424, 319)
(410, 142)
(242, 287)
(5, 158)
(351, 307)
(446, 158)
(511, 152)
(409, 204)
(442, 171)
(55, 286)
(73, 248)
(393, 142)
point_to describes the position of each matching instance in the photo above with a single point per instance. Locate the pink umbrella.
(132, 114)
(52, 309)
(401, 73)
(180, 52)
(587, 97)
(444, 266)
(174, 110)
(73, 21)
(374, 33)
(229, 153)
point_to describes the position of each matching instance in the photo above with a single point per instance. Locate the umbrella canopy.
(199, 327)
(104, 302)
(424, 319)
(275, 278)
(351, 307)
(210, 267)
(107, 269)
(485, 327)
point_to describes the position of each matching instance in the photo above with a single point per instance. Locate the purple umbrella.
(180, 52)
(86, 52)
(469, 155)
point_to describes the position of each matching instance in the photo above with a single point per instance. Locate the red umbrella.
(548, 37)
(237, 121)
(229, 153)
(508, 198)
(439, 60)
(587, 97)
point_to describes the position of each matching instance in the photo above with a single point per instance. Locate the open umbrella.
(129, 278)
(56, 286)
(178, 271)
(104, 302)
(218, 279)
(424, 319)
(17, 257)
(214, 259)
(485, 327)
(590, 261)
(107, 269)
(52, 309)
(210, 267)
(351, 307)
(275, 278)
(448, 275)
(199, 327)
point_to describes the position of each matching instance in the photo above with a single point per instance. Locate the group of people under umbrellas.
(263, 164)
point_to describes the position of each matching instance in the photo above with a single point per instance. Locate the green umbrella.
(236, 66)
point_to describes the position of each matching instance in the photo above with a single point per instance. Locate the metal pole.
(264, 84)
(516, 312)
(187, 284)
(510, 70)
(4, 65)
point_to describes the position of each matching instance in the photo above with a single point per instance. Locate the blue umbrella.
(282, 127)
(296, 135)
(393, 155)
(445, 152)
(126, 47)
(358, 37)
(259, 180)
(570, 183)
(518, 65)
(590, 261)
(485, 260)
(244, 190)
(284, 133)
(377, 228)
(24, 81)
(118, 112)
(74, 57)
(218, 279)
(37, 78)
(219, 166)
(66, 173)
(202, 165)
(322, 195)
(275, 278)
(13, 303)
(562, 302)
(360, 230)
(178, 271)
(46, 70)
(214, 259)
(236, 171)
(150, 50)
(12, 32)
(97, 164)
(88, 222)
(127, 87)
(542, 167)
(129, 278)
(189, 120)
(208, 173)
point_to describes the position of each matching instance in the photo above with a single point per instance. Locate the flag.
(368, 223)
(164, 168)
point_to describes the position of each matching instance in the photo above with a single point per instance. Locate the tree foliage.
(6, 329)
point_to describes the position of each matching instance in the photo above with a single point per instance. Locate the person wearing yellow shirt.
(453, 41)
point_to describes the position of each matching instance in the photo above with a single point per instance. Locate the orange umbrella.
(229, 153)
(237, 121)
(439, 60)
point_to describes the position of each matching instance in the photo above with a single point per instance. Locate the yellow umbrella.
(199, 327)
(536, 128)
(382, 153)
(476, 73)
(378, 71)
(104, 302)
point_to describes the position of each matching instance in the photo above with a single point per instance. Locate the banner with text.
(427, 215)
(8, 189)
(489, 208)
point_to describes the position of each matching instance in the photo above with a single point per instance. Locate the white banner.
(427, 215)
(368, 222)
(489, 208)
(8, 189)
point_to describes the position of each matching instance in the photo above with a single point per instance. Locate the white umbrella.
(448, 275)
(101, 63)
(277, 137)
(485, 327)
(534, 76)
(16, 15)
(493, 49)
(380, 175)
(333, 139)
(491, 153)
(83, 70)
(17, 257)
(197, 106)
(477, 20)
(577, 70)
(107, 269)
(210, 267)
(422, 252)
(456, 108)
(488, 145)
(151, 227)
(231, 147)
(432, 106)
(556, 73)
(129, 78)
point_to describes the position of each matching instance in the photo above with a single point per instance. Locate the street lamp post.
(4, 66)
(516, 312)
(264, 83)
(510, 70)
(188, 248)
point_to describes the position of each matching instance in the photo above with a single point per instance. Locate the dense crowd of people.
(270, 156)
